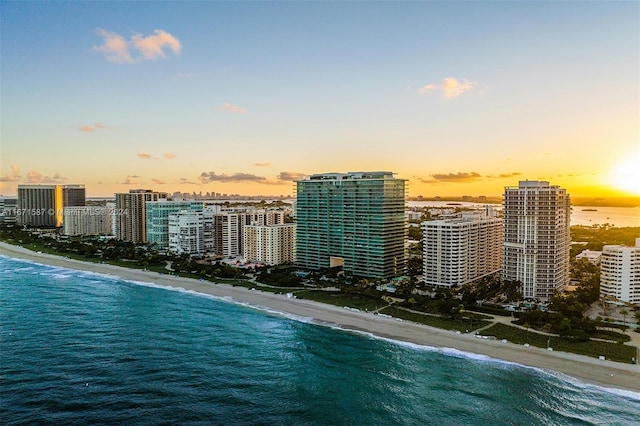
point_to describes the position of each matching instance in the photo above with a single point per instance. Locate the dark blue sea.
(79, 348)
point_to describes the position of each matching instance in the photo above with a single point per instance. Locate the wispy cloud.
(232, 108)
(158, 181)
(450, 87)
(262, 164)
(147, 156)
(464, 177)
(92, 127)
(291, 176)
(13, 177)
(206, 177)
(118, 49)
(34, 176)
(185, 181)
(131, 180)
(509, 175)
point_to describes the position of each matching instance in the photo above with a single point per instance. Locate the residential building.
(8, 210)
(131, 223)
(187, 232)
(355, 220)
(43, 205)
(536, 238)
(459, 250)
(39, 205)
(229, 224)
(591, 255)
(157, 218)
(620, 272)
(269, 244)
(87, 220)
(73, 195)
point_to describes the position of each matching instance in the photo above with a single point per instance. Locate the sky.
(458, 98)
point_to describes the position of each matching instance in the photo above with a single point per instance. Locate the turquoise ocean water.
(82, 349)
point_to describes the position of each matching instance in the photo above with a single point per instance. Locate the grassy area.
(436, 321)
(611, 335)
(613, 351)
(341, 299)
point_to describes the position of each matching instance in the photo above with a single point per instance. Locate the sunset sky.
(460, 98)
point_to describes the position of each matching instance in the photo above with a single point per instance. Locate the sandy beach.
(591, 370)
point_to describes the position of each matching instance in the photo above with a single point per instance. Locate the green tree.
(624, 314)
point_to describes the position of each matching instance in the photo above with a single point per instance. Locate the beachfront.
(606, 373)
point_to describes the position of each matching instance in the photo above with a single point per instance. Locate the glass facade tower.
(355, 220)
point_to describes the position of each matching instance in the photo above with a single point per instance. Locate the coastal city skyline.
(457, 98)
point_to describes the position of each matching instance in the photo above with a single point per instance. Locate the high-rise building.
(40, 205)
(8, 210)
(87, 220)
(192, 231)
(230, 223)
(355, 220)
(157, 217)
(620, 272)
(130, 214)
(461, 249)
(269, 244)
(73, 195)
(43, 205)
(536, 238)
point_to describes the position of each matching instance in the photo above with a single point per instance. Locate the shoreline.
(607, 373)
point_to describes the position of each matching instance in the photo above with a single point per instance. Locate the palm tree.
(624, 314)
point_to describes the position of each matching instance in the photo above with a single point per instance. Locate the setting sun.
(626, 174)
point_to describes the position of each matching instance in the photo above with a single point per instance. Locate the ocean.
(79, 348)
(580, 215)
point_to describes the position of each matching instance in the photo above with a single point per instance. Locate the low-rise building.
(591, 255)
(620, 272)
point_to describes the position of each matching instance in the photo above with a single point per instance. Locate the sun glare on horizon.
(625, 175)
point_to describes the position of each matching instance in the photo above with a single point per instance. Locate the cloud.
(262, 164)
(206, 177)
(151, 47)
(131, 180)
(158, 181)
(144, 155)
(463, 177)
(291, 176)
(233, 108)
(13, 177)
(34, 176)
(459, 177)
(92, 128)
(139, 48)
(186, 181)
(169, 156)
(509, 175)
(449, 86)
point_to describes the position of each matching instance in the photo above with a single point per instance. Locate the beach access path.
(591, 370)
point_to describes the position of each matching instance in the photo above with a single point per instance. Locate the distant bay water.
(580, 215)
(80, 348)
